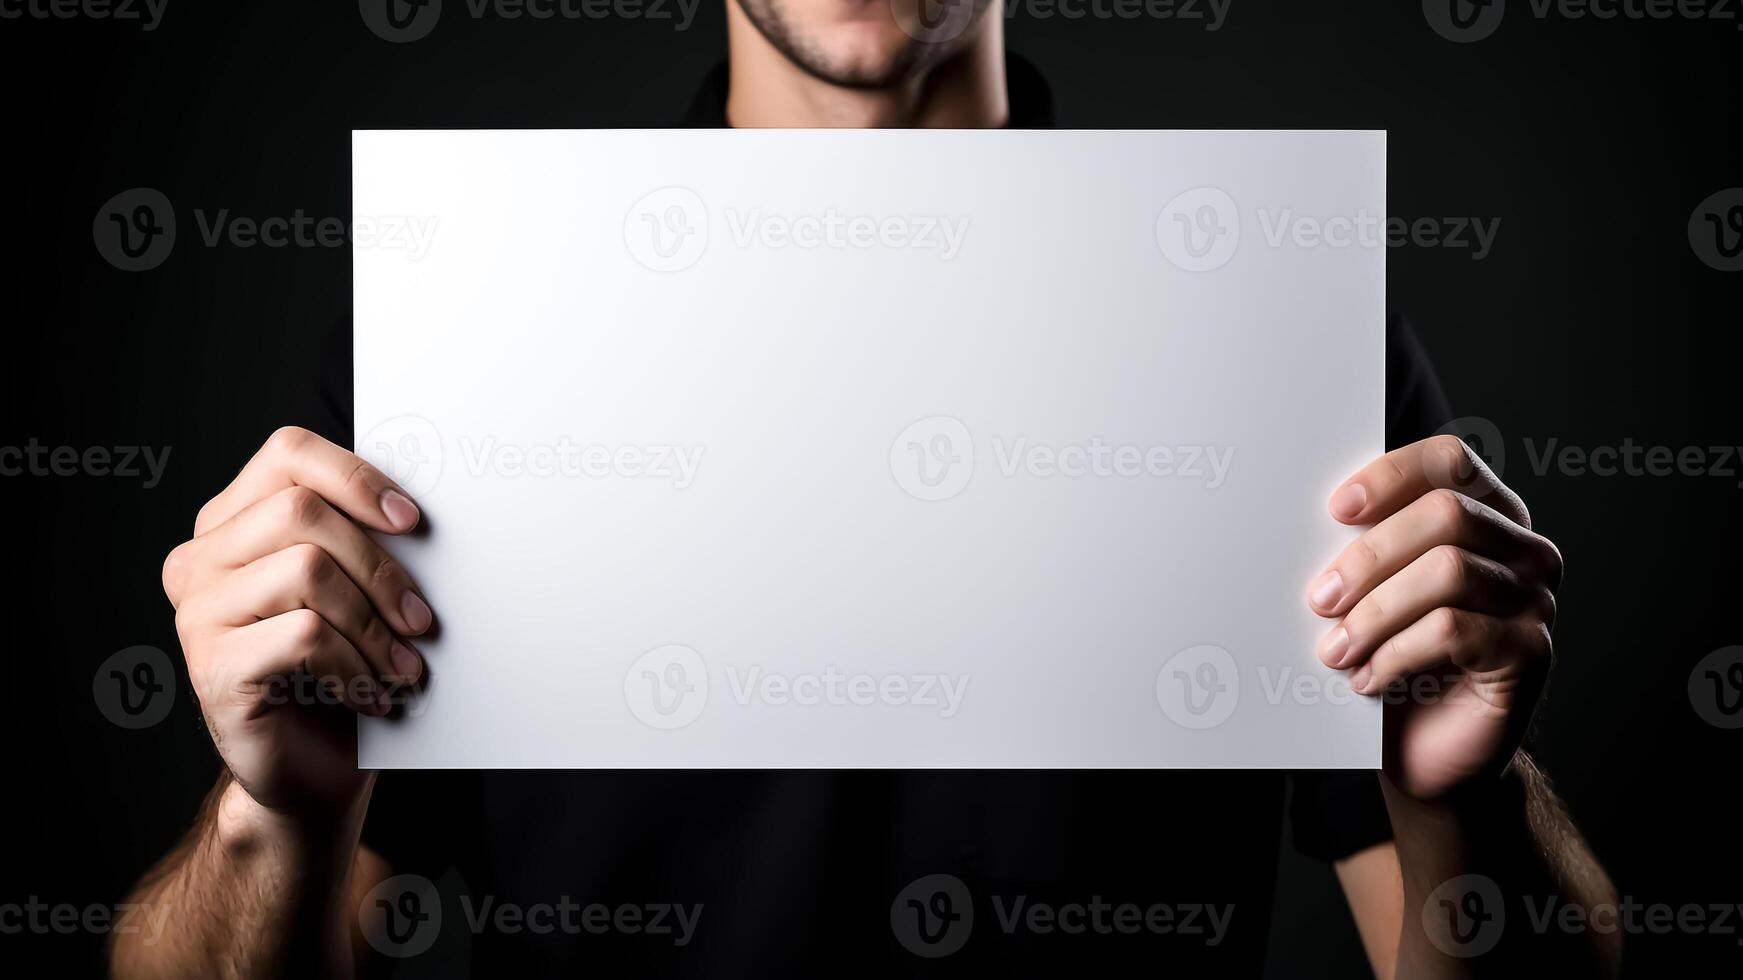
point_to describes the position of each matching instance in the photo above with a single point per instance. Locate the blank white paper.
(842, 449)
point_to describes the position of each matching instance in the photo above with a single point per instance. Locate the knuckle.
(1539, 644)
(1362, 559)
(1554, 565)
(1365, 618)
(1545, 604)
(313, 564)
(175, 571)
(1448, 450)
(1448, 510)
(1447, 626)
(305, 626)
(384, 572)
(288, 439)
(206, 515)
(302, 507)
(1395, 474)
(356, 473)
(1450, 563)
(186, 622)
(1389, 653)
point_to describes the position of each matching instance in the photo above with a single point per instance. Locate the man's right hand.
(292, 618)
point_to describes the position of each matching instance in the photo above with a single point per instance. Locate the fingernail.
(416, 612)
(1349, 501)
(400, 511)
(405, 661)
(1334, 647)
(1359, 679)
(1327, 589)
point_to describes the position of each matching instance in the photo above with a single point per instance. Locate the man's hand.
(291, 619)
(1447, 601)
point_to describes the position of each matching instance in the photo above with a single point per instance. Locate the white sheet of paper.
(842, 449)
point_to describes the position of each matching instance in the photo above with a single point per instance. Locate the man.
(777, 873)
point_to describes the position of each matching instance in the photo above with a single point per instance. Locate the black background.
(1591, 322)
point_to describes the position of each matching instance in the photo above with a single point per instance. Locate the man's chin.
(863, 54)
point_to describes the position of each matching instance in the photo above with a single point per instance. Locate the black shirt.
(797, 873)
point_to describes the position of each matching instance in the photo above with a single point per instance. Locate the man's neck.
(765, 88)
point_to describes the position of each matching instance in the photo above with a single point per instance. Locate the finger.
(1445, 576)
(292, 658)
(1473, 642)
(298, 515)
(305, 577)
(1439, 517)
(294, 457)
(1388, 484)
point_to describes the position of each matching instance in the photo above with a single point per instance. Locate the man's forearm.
(249, 894)
(1482, 873)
